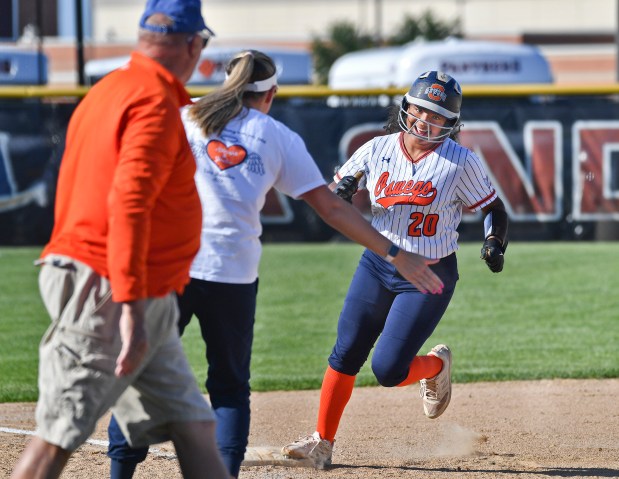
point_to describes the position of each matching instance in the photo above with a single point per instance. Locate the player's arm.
(496, 225)
(347, 220)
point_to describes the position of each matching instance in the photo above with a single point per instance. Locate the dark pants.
(382, 308)
(226, 313)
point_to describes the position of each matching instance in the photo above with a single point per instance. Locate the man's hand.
(133, 338)
(492, 254)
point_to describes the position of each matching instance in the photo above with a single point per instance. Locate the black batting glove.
(492, 253)
(346, 188)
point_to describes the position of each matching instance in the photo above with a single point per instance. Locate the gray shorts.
(78, 355)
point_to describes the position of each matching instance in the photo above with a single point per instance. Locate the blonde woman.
(241, 153)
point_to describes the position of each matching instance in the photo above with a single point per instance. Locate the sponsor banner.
(554, 161)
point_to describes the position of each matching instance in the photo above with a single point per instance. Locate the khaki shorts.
(78, 355)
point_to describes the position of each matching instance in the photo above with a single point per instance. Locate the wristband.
(392, 253)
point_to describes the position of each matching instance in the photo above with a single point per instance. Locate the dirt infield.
(519, 430)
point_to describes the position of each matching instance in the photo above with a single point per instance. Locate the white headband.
(262, 85)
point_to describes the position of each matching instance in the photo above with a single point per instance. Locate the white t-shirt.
(235, 170)
(418, 205)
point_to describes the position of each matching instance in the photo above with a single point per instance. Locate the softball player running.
(418, 178)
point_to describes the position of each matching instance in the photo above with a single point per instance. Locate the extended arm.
(347, 220)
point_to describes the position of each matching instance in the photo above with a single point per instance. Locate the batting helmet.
(438, 92)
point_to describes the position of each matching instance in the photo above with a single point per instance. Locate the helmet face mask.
(436, 92)
(444, 130)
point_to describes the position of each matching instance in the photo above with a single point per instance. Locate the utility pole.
(617, 41)
(39, 27)
(79, 42)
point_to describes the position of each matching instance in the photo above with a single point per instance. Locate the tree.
(426, 26)
(343, 37)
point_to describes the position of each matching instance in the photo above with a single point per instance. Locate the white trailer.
(469, 61)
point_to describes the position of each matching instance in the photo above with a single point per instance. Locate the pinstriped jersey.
(418, 204)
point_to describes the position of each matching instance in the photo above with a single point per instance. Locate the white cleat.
(313, 447)
(436, 391)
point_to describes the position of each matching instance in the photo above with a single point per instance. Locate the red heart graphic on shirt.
(225, 156)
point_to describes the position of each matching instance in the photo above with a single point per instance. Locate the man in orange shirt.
(128, 221)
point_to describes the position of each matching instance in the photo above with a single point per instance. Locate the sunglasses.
(205, 37)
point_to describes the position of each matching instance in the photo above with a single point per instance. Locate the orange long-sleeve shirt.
(126, 202)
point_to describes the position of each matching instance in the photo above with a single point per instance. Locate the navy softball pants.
(385, 310)
(226, 313)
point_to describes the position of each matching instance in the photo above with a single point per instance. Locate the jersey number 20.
(423, 224)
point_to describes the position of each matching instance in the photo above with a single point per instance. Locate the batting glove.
(346, 188)
(492, 253)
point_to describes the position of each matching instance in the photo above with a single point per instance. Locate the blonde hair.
(214, 110)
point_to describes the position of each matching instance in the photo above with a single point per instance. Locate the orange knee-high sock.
(334, 395)
(422, 367)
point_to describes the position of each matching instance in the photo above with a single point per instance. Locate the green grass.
(22, 323)
(552, 313)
